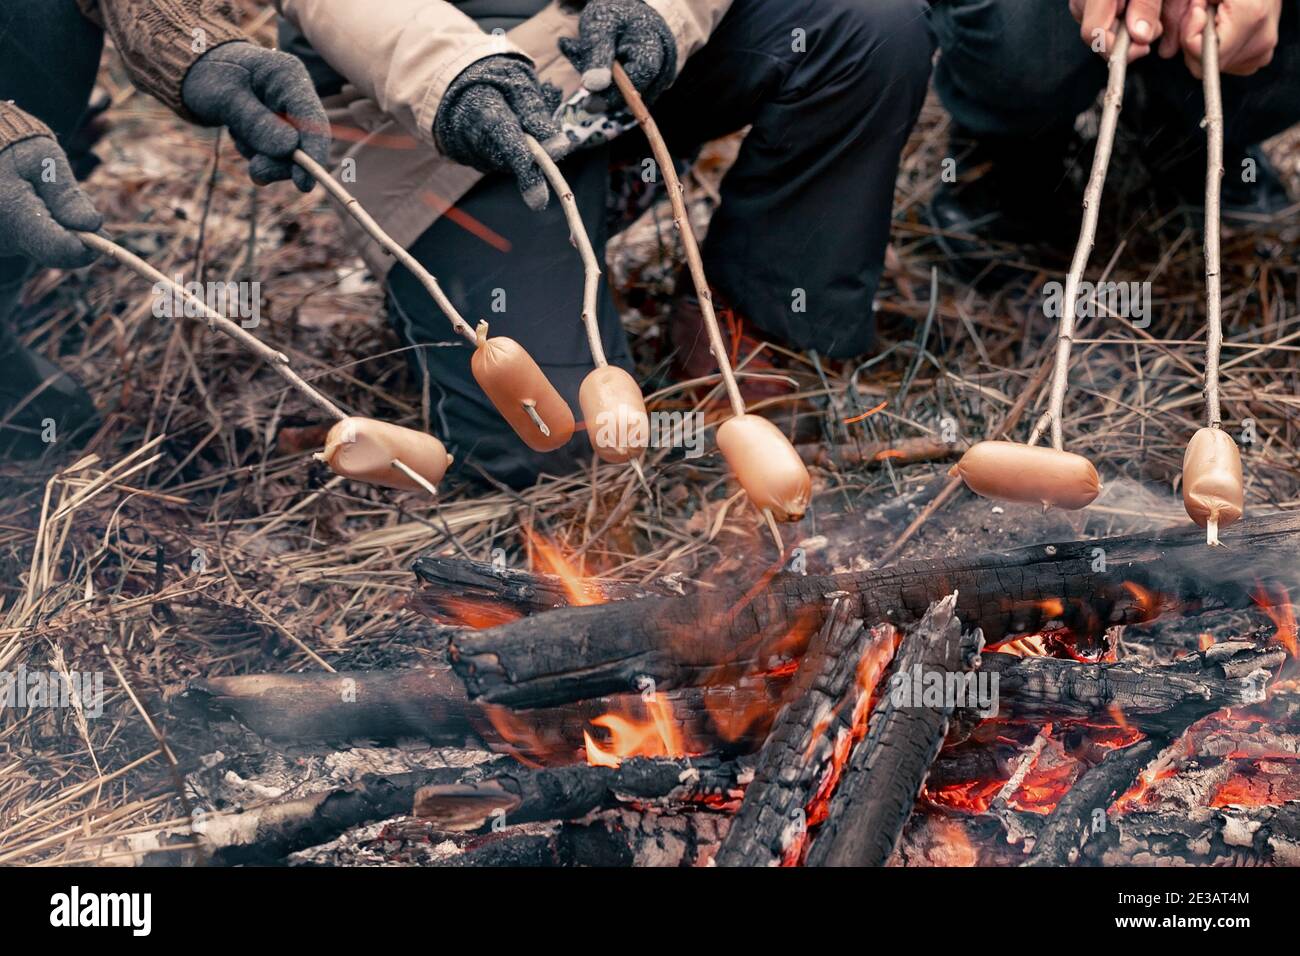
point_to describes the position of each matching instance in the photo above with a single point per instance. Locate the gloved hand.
(267, 101)
(40, 202)
(630, 31)
(485, 113)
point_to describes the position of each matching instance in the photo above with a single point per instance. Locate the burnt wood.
(505, 796)
(1240, 672)
(772, 823)
(429, 703)
(715, 636)
(885, 772)
(1162, 698)
(457, 591)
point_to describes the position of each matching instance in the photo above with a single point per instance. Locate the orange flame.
(656, 735)
(553, 561)
(1148, 601)
(1280, 611)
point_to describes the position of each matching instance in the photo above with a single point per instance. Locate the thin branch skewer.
(578, 236)
(683, 223)
(277, 360)
(1114, 99)
(1213, 184)
(376, 232)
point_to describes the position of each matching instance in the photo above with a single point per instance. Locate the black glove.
(485, 113)
(267, 101)
(630, 31)
(40, 202)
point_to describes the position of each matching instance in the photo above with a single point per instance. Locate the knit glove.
(631, 32)
(40, 202)
(485, 113)
(267, 101)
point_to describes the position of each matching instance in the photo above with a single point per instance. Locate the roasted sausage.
(517, 385)
(1212, 486)
(767, 466)
(1030, 474)
(614, 411)
(364, 448)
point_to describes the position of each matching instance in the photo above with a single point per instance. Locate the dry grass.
(184, 544)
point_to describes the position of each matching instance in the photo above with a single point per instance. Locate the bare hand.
(1098, 19)
(1247, 29)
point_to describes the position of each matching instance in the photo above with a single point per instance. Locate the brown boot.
(689, 339)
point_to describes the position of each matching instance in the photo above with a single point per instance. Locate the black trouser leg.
(831, 90)
(1014, 68)
(49, 55)
(501, 262)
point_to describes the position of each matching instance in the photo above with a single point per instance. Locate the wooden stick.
(278, 360)
(1213, 183)
(578, 236)
(683, 223)
(1087, 235)
(376, 232)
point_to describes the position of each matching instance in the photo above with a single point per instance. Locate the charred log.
(383, 706)
(504, 796)
(1163, 698)
(266, 834)
(1175, 635)
(615, 838)
(1220, 836)
(825, 698)
(716, 636)
(886, 771)
(481, 593)
(429, 703)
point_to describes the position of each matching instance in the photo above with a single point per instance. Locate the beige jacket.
(399, 57)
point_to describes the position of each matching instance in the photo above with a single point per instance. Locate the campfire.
(1117, 701)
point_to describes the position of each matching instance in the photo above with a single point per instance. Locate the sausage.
(515, 383)
(1212, 485)
(614, 411)
(1029, 474)
(766, 465)
(364, 448)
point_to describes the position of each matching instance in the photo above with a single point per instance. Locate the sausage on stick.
(1213, 490)
(1059, 478)
(422, 461)
(763, 460)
